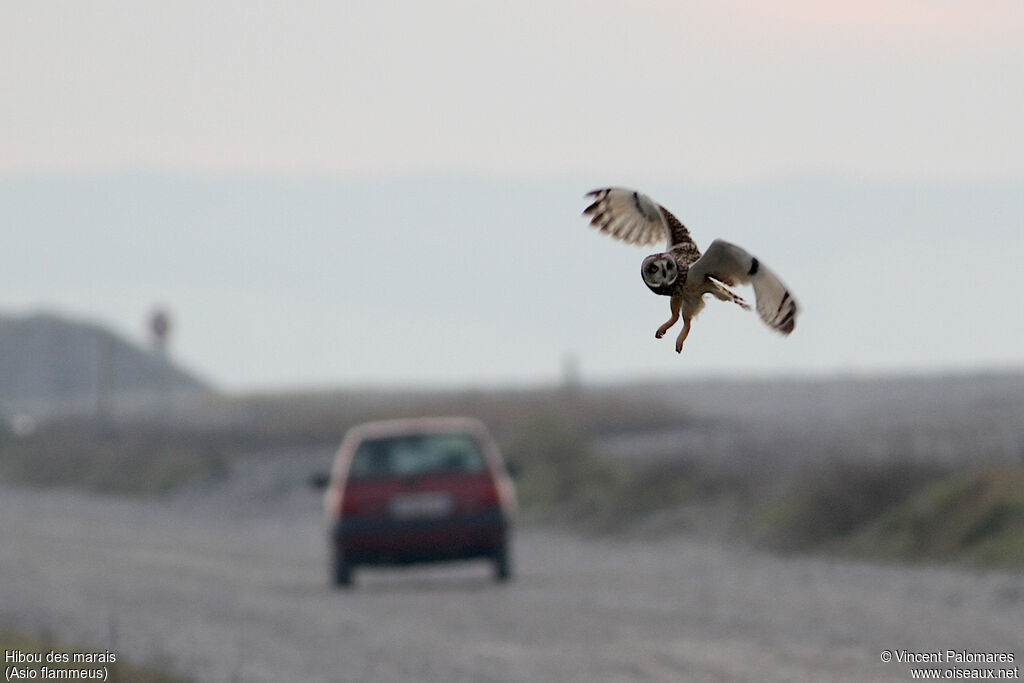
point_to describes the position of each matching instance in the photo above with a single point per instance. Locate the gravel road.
(227, 583)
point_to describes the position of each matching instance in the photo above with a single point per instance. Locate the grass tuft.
(833, 499)
(977, 516)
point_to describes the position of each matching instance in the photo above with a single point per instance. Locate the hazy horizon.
(290, 283)
(334, 193)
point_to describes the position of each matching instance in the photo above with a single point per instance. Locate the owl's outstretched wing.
(733, 265)
(635, 218)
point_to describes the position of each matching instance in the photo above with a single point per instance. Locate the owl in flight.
(681, 272)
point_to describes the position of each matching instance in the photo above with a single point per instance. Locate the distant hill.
(55, 366)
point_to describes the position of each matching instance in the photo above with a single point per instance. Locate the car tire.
(340, 570)
(502, 564)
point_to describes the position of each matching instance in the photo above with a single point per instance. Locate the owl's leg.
(682, 335)
(676, 304)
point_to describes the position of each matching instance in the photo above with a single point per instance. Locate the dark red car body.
(432, 511)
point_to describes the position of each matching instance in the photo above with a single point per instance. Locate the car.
(418, 490)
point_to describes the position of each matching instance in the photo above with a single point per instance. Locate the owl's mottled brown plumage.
(681, 272)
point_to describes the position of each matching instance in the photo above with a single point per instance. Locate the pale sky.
(707, 92)
(715, 96)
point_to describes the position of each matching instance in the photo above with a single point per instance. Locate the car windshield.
(413, 456)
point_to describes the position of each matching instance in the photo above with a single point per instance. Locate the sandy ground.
(228, 583)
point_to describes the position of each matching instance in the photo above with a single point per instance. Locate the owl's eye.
(651, 268)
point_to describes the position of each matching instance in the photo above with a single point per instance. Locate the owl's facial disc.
(659, 270)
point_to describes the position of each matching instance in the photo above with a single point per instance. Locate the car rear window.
(413, 456)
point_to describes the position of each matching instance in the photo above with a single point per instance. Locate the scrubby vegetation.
(832, 499)
(900, 510)
(894, 509)
(976, 516)
(154, 457)
(319, 417)
(562, 479)
(129, 460)
(565, 481)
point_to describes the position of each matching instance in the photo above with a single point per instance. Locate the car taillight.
(488, 496)
(349, 505)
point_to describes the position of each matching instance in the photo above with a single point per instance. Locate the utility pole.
(160, 328)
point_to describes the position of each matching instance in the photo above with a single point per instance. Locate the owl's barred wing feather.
(626, 215)
(733, 265)
(635, 218)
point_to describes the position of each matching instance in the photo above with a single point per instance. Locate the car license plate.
(415, 505)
